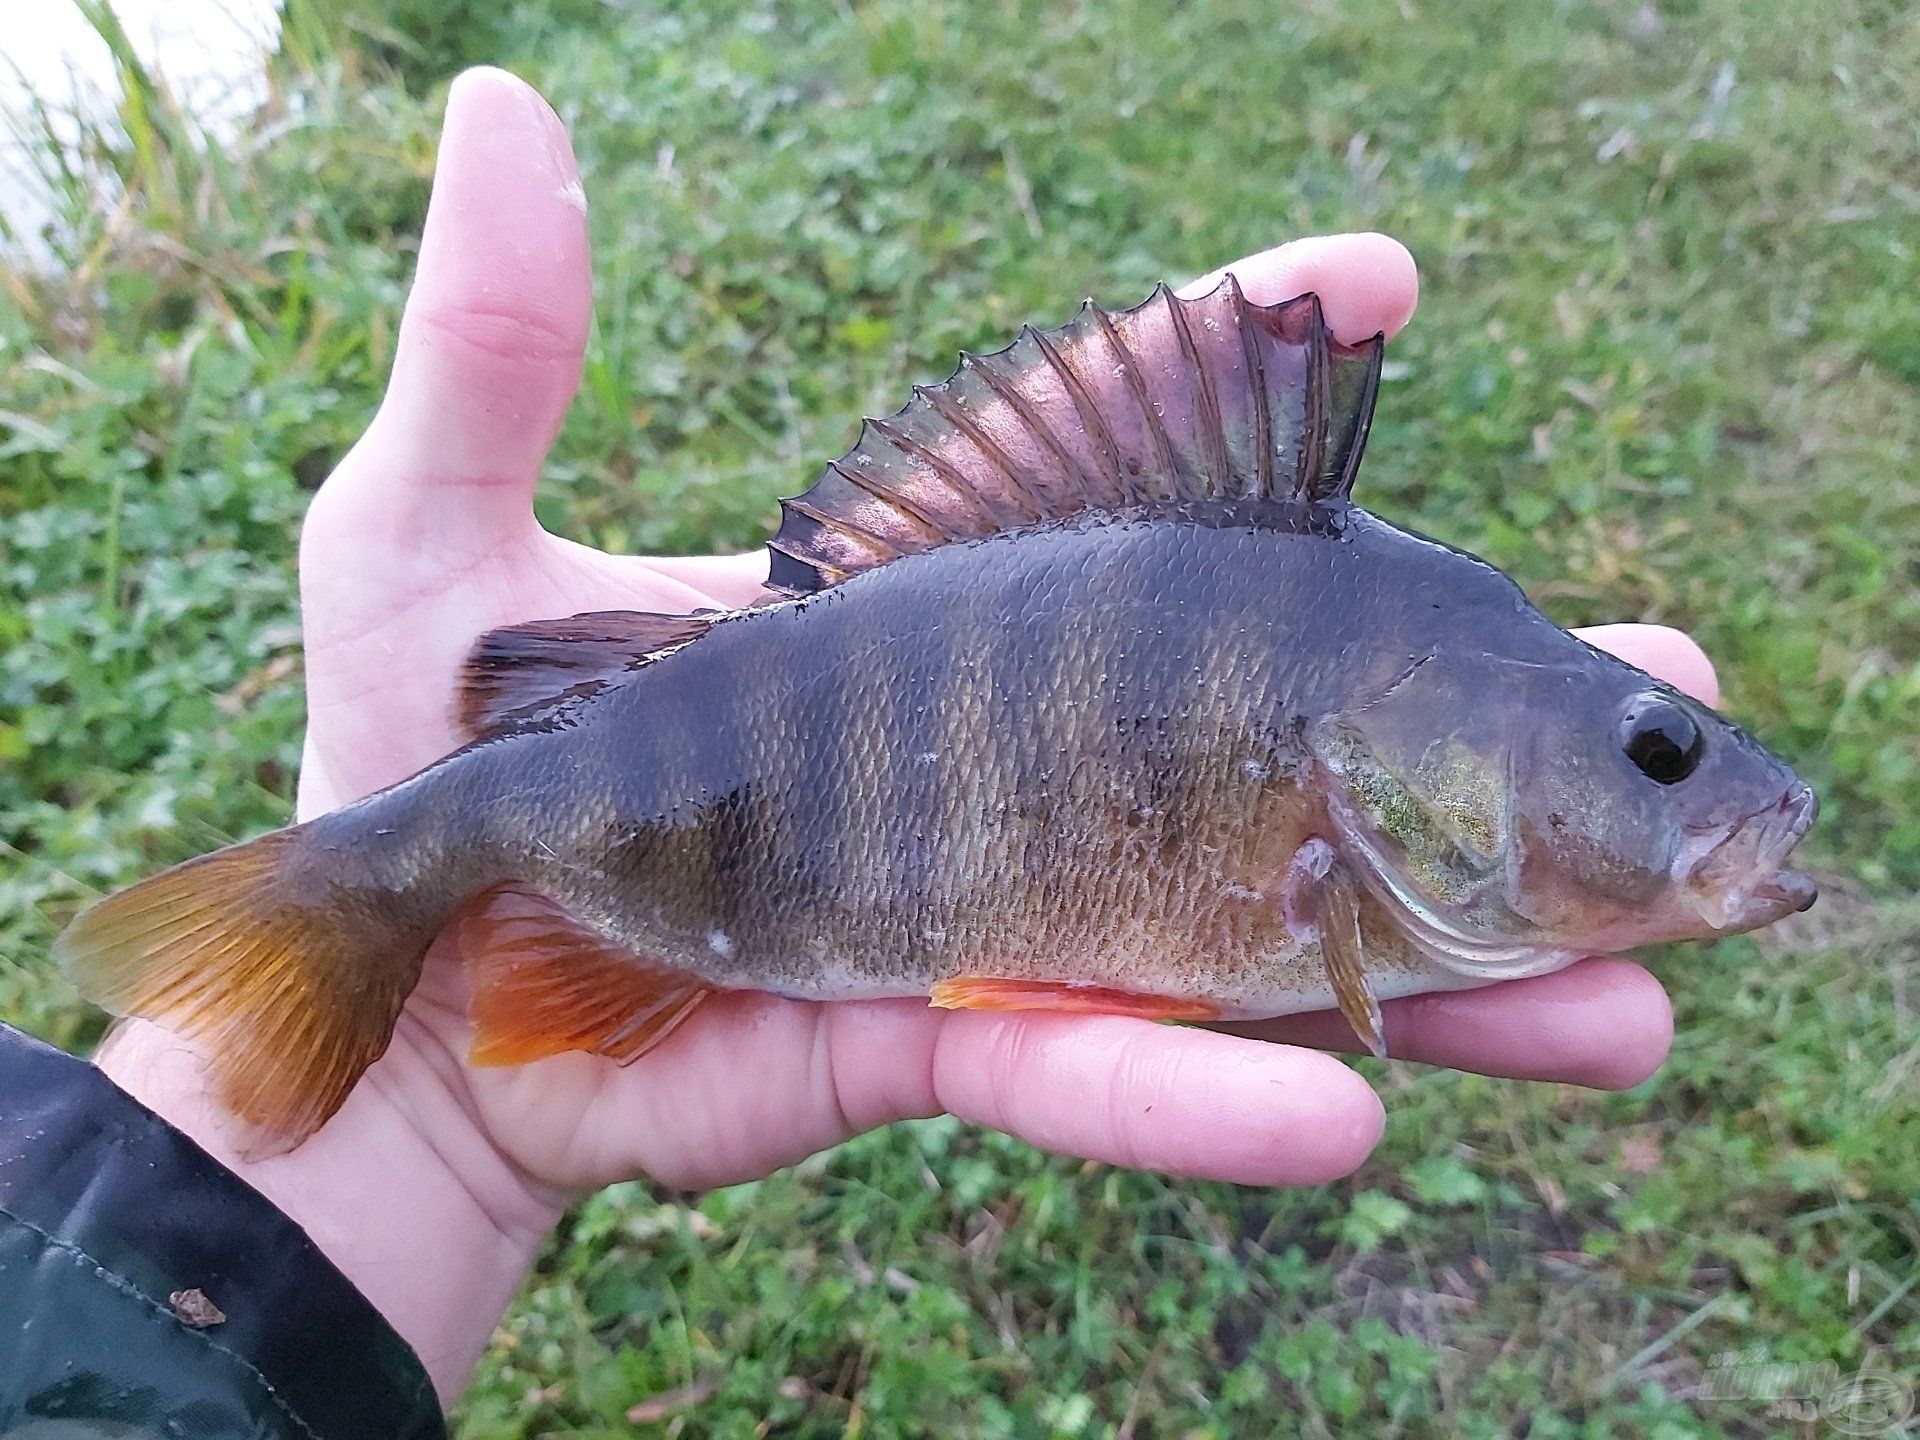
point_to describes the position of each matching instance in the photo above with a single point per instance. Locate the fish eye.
(1660, 738)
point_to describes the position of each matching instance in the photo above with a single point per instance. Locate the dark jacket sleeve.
(145, 1290)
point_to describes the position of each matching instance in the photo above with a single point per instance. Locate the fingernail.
(481, 97)
(554, 132)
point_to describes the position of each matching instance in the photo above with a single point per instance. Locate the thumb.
(391, 581)
(491, 343)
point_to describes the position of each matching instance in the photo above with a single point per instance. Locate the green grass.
(1667, 367)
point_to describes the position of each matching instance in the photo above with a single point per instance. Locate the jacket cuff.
(143, 1282)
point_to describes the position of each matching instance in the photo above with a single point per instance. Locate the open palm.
(425, 538)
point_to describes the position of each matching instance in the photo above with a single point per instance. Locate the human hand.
(434, 1184)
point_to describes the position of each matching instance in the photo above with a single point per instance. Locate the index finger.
(1668, 654)
(1367, 282)
(1604, 1023)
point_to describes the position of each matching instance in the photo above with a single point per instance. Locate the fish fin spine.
(545, 983)
(532, 677)
(1197, 400)
(287, 993)
(982, 992)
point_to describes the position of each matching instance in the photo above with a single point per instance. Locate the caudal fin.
(289, 989)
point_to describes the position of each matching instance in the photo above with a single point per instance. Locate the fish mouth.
(1733, 877)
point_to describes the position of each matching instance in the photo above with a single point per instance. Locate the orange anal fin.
(970, 992)
(544, 983)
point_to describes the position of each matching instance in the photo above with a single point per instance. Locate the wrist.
(402, 1190)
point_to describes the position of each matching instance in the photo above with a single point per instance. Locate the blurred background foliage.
(1666, 368)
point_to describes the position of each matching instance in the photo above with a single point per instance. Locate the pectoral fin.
(1323, 906)
(1340, 948)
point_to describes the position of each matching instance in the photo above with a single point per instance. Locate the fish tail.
(289, 986)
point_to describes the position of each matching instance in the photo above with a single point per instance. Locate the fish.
(1080, 684)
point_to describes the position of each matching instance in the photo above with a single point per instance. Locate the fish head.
(1515, 814)
(1643, 815)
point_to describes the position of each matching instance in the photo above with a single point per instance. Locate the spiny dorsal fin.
(1211, 398)
(529, 676)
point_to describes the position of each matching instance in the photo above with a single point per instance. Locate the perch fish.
(1081, 685)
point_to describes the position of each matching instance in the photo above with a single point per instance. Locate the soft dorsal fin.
(1211, 398)
(529, 676)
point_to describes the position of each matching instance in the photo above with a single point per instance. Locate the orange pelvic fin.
(544, 983)
(979, 992)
